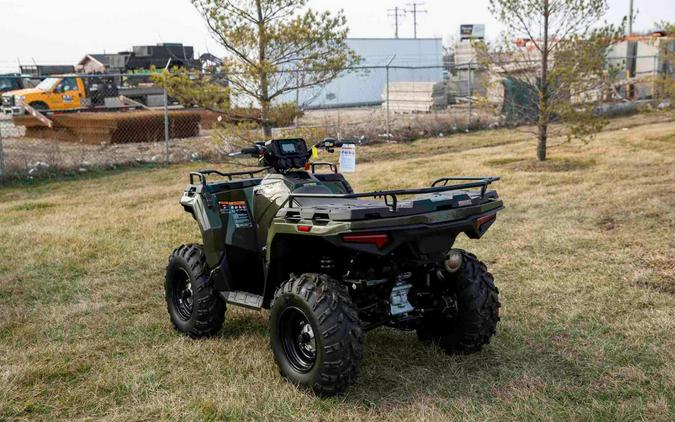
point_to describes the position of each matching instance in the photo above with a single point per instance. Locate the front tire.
(316, 335)
(474, 322)
(194, 307)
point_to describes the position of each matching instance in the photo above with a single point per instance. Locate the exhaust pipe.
(453, 261)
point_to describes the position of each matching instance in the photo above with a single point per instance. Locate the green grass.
(584, 256)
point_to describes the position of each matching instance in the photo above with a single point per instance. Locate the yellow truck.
(74, 92)
(54, 93)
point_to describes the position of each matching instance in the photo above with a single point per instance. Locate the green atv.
(330, 264)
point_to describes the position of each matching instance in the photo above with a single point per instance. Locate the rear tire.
(194, 307)
(316, 335)
(475, 321)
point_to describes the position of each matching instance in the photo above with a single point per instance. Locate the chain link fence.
(84, 122)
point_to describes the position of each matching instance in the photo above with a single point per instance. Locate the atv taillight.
(379, 240)
(304, 229)
(484, 219)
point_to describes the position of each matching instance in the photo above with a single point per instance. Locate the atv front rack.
(201, 174)
(391, 196)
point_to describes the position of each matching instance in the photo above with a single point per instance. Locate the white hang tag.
(348, 158)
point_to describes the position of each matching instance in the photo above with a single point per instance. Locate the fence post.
(166, 115)
(386, 67)
(166, 125)
(296, 121)
(387, 99)
(655, 94)
(470, 82)
(2, 158)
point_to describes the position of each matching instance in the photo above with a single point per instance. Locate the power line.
(395, 13)
(415, 11)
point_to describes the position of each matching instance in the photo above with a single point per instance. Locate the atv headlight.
(19, 99)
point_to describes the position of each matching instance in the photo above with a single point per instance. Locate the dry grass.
(584, 256)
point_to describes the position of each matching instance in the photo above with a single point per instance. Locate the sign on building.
(471, 32)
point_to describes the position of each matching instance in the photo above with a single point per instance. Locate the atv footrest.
(240, 298)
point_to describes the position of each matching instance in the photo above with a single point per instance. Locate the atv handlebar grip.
(328, 143)
(250, 151)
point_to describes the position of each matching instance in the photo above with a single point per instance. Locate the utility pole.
(630, 17)
(396, 12)
(415, 11)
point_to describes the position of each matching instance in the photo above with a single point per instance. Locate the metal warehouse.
(365, 85)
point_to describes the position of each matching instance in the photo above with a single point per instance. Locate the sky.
(62, 32)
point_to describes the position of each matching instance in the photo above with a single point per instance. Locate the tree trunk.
(264, 77)
(544, 88)
(265, 117)
(541, 140)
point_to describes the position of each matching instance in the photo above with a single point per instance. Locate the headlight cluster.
(19, 99)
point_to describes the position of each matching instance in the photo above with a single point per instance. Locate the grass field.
(584, 256)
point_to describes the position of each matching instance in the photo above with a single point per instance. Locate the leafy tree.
(276, 46)
(193, 89)
(560, 58)
(666, 26)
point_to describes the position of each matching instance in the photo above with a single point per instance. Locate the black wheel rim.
(297, 339)
(182, 294)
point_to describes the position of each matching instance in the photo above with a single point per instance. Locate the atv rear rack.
(391, 196)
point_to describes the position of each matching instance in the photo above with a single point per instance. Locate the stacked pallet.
(410, 97)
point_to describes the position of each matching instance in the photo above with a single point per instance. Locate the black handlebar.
(328, 144)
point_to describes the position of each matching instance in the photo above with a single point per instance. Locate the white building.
(412, 60)
(637, 60)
